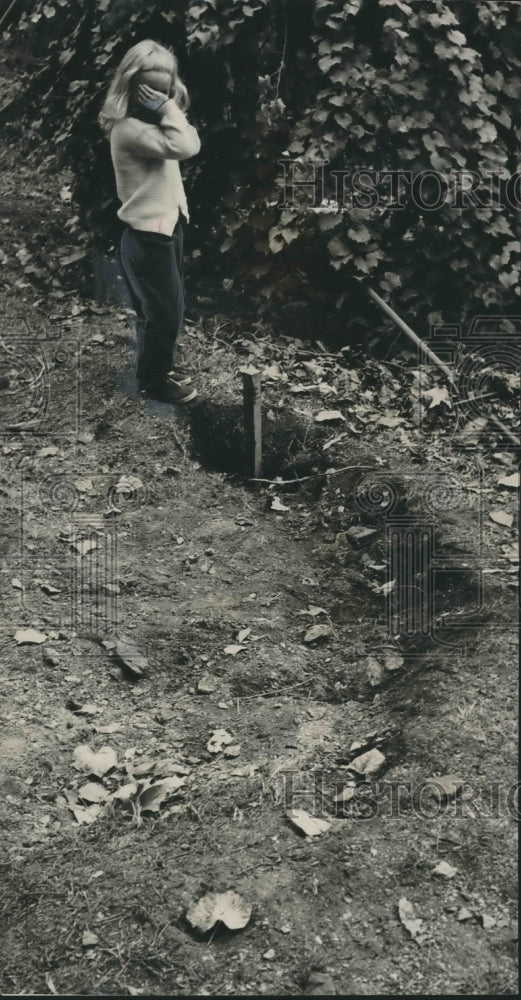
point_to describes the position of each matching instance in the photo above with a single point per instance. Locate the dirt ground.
(129, 520)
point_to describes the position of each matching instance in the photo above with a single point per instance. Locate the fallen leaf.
(232, 751)
(98, 763)
(309, 825)
(219, 739)
(126, 654)
(510, 481)
(248, 771)
(29, 637)
(444, 870)
(127, 484)
(317, 632)
(369, 763)
(243, 634)
(153, 796)
(47, 452)
(501, 517)
(125, 792)
(276, 504)
(358, 532)
(437, 395)
(206, 684)
(84, 484)
(85, 815)
(89, 709)
(89, 940)
(328, 416)
(85, 545)
(445, 786)
(226, 907)
(346, 794)
(92, 792)
(374, 671)
(412, 924)
(233, 649)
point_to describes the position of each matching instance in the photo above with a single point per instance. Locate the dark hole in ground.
(291, 447)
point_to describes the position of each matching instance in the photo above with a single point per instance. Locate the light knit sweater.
(146, 163)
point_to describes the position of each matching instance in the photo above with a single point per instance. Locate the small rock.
(444, 870)
(206, 684)
(316, 633)
(269, 955)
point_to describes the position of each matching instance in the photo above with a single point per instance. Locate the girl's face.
(158, 79)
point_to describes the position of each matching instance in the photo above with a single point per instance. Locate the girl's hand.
(146, 94)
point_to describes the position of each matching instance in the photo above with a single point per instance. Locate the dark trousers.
(152, 266)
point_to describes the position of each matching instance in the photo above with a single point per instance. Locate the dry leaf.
(92, 792)
(153, 796)
(233, 649)
(445, 786)
(501, 517)
(317, 632)
(328, 417)
(126, 654)
(219, 739)
(511, 481)
(84, 484)
(206, 684)
(126, 484)
(346, 794)
(89, 940)
(227, 907)
(411, 923)
(243, 634)
(444, 870)
(126, 792)
(309, 825)
(98, 763)
(233, 750)
(29, 637)
(85, 815)
(369, 763)
(85, 545)
(437, 395)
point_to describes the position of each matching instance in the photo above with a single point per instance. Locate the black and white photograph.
(260, 360)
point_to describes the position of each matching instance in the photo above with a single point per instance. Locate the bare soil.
(187, 554)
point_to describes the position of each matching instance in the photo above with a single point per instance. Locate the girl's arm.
(171, 138)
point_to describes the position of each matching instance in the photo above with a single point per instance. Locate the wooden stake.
(251, 388)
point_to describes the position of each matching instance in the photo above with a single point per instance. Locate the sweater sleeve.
(172, 139)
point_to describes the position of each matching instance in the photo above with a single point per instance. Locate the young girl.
(144, 115)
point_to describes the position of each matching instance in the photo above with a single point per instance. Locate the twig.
(320, 475)
(283, 59)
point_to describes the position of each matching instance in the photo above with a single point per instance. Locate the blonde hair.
(146, 55)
